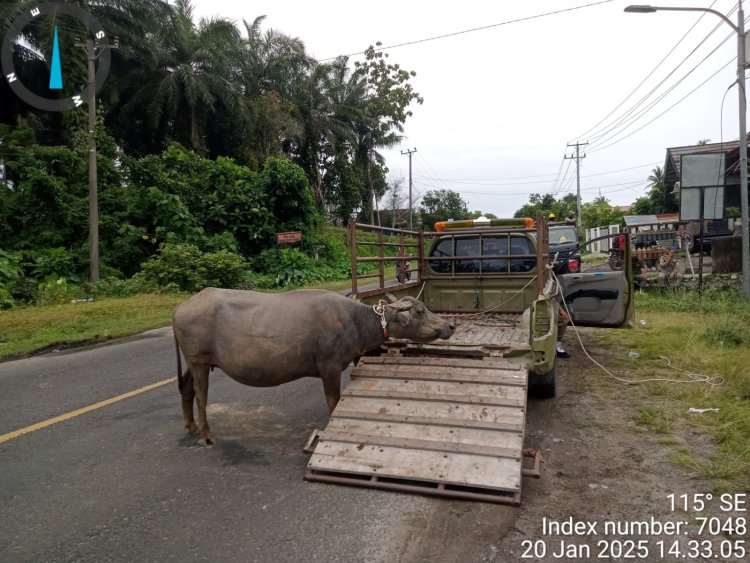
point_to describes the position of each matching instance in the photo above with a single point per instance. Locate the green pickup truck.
(494, 284)
(448, 417)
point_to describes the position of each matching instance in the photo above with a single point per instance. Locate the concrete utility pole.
(410, 152)
(93, 50)
(739, 29)
(578, 158)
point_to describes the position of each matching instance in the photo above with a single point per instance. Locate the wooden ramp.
(442, 426)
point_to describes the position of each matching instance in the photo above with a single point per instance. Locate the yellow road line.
(84, 410)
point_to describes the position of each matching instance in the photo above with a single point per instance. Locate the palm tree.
(192, 71)
(272, 67)
(325, 104)
(656, 178)
(663, 200)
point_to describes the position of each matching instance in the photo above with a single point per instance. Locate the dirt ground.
(601, 466)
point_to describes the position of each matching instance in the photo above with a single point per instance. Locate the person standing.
(669, 270)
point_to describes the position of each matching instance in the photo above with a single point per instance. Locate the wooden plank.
(386, 461)
(387, 417)
(472, 436)
(484, 367)
(499, 377)
(363, 440)
(432, 398)
(512, 498)
(444, 363)
(465, 392)
(375, 408)
(367, 389)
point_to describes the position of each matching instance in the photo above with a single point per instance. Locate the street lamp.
(739, 29)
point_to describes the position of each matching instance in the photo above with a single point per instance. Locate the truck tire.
(543, 386)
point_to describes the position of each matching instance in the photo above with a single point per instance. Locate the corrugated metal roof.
(634, 220)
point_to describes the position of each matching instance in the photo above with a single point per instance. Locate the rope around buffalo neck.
(380, 312)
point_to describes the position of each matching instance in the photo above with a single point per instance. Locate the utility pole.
(410, 152)
(741, 66)
(93, 49)
(578, 158)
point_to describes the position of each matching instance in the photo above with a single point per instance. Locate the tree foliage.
(441, 205)
(597, 213)
(228, 91)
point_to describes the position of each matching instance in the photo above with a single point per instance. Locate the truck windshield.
(496, 249)
(562, 235)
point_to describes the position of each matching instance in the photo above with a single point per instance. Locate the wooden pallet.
(444, 426)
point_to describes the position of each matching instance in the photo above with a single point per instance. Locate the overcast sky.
(501, 103)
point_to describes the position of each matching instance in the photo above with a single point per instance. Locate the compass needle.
(55, 76)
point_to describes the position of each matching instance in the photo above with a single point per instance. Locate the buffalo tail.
(182, 379)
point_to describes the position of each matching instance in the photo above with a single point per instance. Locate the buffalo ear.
(390, 297)
(403, 318)
(401, 305)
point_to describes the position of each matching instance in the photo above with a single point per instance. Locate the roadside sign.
(289, 237)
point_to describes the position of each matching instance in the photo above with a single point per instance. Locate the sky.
(502, 103)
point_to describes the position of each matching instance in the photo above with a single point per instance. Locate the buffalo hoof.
(206, 442)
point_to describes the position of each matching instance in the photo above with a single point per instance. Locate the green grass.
(684, 335)
(29, 329)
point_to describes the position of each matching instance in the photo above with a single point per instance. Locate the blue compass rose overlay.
(56, 77)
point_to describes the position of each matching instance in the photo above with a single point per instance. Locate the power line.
(557, 177)
(628, 120)
(665, 111)
(591, 131)
(627, 185)
(481, 183)
(559, 187)
(444, 36)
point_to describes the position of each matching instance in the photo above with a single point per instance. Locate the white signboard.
(702, 174)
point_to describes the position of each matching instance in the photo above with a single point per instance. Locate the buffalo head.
(409, 318)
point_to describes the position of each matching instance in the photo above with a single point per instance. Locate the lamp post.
(739, 29)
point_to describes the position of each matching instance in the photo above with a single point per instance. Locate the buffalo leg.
(188, 396)
(200, 383)
(332, 388)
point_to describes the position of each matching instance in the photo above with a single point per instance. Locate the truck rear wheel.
(543, 386)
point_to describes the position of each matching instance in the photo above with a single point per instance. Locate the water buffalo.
(263, 340)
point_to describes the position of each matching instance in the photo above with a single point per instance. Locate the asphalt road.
(124, 482)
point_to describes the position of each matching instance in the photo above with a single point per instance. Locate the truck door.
(599, 296)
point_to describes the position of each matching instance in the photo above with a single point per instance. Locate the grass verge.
(30, 329)
(681, 337)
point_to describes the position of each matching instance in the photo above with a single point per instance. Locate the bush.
(186, 268)
(290, 267)
(729, 336)
(10, 275)
(6, 299)
(56, 291)
(116, 287)
(52, 263)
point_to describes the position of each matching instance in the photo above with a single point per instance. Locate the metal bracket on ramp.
(431, 425)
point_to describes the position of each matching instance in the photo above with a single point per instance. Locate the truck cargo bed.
(487, 334)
